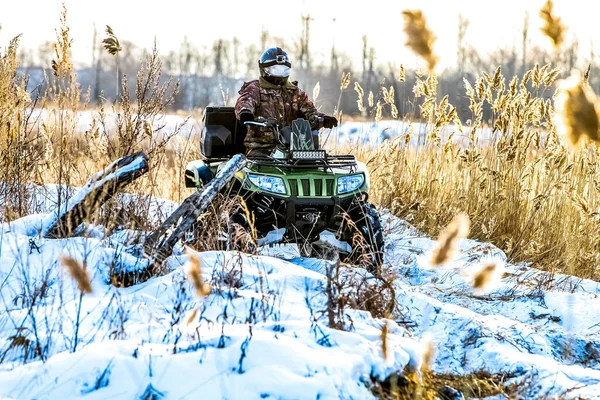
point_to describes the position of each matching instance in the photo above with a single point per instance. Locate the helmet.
(275, 65)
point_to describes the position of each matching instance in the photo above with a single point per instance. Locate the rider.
(274, 97)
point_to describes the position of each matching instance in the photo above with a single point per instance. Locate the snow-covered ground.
(263, 331)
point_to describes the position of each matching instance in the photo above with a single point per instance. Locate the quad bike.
(297, 194)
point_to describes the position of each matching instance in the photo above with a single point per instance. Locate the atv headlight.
(268, 183)
(350, 183)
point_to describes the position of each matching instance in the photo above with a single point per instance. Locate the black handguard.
(329, 121)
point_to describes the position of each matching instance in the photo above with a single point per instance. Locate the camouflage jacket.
(283, 103)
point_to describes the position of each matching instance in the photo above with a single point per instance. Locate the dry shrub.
(226, 225)
(21, 146)
(351, 287)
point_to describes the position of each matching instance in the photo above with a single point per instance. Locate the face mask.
(280, 71)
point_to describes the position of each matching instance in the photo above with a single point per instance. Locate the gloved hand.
(246, 115)
(329, 121)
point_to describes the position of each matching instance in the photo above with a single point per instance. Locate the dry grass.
(22, 147)
(429, 386)
(524, 189)
(48, 149)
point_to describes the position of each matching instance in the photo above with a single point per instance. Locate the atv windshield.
(302, 136)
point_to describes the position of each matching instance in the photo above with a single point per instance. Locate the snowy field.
(349, 133)
(263, 331)
(88, 120)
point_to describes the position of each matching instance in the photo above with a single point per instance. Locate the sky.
(343, 23)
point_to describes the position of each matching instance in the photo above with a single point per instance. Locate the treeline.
(212, 75)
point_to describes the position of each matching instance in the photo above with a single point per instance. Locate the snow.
(262, 336)
(263, 332)
(541, 327)
(376, 133)
(88, 120)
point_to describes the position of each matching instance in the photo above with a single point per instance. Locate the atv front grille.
(306, 187)
(293, 187)
(318, 187)
(312, 187)
(329, 185)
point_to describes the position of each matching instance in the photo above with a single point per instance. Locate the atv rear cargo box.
(222, 135)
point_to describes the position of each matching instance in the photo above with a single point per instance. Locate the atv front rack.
(330, 161)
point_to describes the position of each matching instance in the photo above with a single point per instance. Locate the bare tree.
(461, 51)
(305, 61)
(218, 56)
(96, 55)
(525, 39)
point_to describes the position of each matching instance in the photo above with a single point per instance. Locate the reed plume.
(427, 353)
(78, 273)
(111, 42)
(195, 276)
(402, 74)
(420, 38)
(576, 111)
(361, 94)
(487, 276)
(384, 341)
(345, 80)
(449, 238)
(553, 28)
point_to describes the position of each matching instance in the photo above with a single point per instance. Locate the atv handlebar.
(263, 122)
(315, 121)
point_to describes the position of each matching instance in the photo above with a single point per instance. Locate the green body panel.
(302, 183)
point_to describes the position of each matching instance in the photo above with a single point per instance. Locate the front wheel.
(363, 230)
